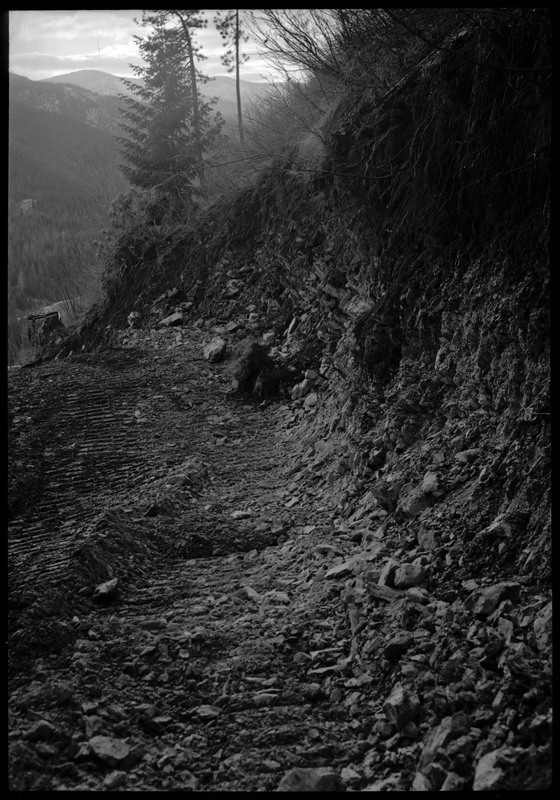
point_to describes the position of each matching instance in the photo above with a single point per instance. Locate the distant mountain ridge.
(104, 83)
(91, 96)
(94, 80)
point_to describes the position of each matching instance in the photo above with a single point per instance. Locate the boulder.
(409, 575)
(106, 592)
(310, 779)
(401, 706)
(114, 752)
(215, 350)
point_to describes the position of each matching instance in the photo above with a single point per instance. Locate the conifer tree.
(168, 126)
(232, 34)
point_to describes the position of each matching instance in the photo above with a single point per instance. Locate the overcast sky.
(43, 44)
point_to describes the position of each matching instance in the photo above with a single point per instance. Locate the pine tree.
(168, 126)
(232, 34)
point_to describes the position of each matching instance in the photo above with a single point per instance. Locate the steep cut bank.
(400, 281)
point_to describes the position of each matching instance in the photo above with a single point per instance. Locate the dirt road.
(193, 665)
(245, 637)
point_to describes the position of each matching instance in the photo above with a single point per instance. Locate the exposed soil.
(243, 641)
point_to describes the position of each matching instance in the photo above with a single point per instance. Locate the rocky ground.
(193, 607)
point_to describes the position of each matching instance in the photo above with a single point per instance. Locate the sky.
(43, 44)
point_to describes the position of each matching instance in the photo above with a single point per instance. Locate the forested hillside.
(69, 170)
(71, 100)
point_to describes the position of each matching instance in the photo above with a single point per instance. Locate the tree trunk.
(237, 86)
(196, 111)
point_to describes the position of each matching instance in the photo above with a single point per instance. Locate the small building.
(26, 205)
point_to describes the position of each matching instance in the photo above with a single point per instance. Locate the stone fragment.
(310, 400)
(350, 776)
(250, 593)
(106, 592)
(418, 594)
(265, 698)
(388, 572)
(410, 730)
(172, 319)
(310, 779)
(398, 645)
(277, 596)
(427, 539)
(421, 783)
(488, 774)
(312, 691)
(340, 570)
(115, 752)
(401, 706)
(233, 287)
(383, 728)
(413, 502)
(501, 527)
(453, 783)
(384, 592)
(114, 779)
(450, 728)
(187, 781)
(215, 350)
(430, 483)
(467, 456)
(41, 731)
(94, 725)
(409, 575)
(436, 774)
(542, 626)
(483, 602)
(207, 712)
(389, 784)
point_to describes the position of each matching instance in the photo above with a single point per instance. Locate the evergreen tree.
(168, 126)
(232, 34)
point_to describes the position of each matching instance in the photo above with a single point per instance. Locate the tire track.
(91, 451)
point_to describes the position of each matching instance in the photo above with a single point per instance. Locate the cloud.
(44, 44)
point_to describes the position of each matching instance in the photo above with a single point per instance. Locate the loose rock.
(313, 779)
